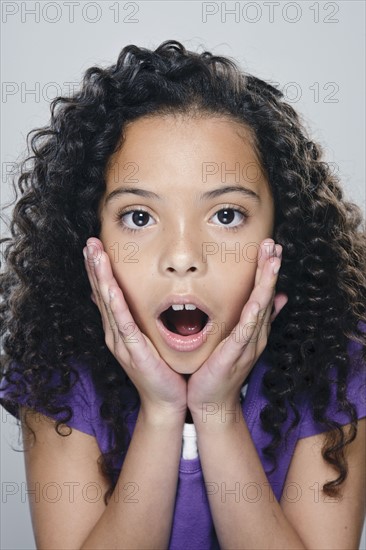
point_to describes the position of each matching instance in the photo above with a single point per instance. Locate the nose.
(181, 255)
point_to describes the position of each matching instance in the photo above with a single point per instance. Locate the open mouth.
(184, 322)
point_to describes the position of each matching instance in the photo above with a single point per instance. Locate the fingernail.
(94, 253)
(84, 253)
(279, 251)
(270, 247)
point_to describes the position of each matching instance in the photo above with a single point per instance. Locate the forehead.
(199, 135)
(160, 150)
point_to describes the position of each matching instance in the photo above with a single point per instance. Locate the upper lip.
(183, 299)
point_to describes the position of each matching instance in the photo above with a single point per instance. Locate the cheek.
(237, 303)
(236, 277)
(234, 288)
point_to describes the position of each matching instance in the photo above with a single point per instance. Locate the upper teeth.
(178, 307)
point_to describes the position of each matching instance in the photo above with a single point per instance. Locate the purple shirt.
(192, 522)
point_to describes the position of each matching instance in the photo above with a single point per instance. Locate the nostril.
(172, 269)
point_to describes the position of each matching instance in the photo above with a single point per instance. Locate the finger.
(89, 262)
(264, 294)
(103, 279)
(246, 335)
(96, 251)
(126, 339)
(124, 328)
(268, 251)
(93, 252)
(247, 332)
(95, 293)
(279, 302)
(279, 250)
(232, 347)
(261, 334)
(131, 336)
(264, 290)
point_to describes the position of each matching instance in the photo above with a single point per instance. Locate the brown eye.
(231, 218)
(132, 220)
(226, 216)
(140, 218)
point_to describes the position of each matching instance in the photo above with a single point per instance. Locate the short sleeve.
(356, 393)
(82, 399)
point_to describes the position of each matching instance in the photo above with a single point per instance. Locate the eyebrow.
(214, 193)
(249, 193)
(133, 190)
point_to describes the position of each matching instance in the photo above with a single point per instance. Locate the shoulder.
(336, 522)
(77, 406)
(355, 387)
(255, 401)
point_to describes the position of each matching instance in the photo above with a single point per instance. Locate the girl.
(186, 179)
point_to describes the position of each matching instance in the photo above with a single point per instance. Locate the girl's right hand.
(161, 390)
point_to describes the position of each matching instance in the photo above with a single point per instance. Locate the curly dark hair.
(47, 316)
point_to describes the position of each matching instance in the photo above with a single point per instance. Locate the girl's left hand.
(220, 378)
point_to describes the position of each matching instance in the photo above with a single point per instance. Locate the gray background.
(315, 50)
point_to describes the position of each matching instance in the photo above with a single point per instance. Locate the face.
(185, 209)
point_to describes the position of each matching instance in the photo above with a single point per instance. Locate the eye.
(132, 220)
(231, 217)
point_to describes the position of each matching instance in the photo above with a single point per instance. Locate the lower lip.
(182, 343)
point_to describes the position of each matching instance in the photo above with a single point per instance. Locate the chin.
(184, 364)
(185, 369)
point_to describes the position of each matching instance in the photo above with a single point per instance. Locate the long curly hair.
(47, 316)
